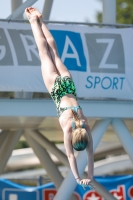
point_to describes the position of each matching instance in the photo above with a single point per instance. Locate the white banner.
(99, 59)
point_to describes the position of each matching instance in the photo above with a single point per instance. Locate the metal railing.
(71, 22)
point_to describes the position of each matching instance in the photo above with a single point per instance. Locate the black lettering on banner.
(106, 53)
(5, 51)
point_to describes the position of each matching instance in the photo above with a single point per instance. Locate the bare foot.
(33, 14)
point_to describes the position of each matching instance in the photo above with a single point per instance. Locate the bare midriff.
(68, 100)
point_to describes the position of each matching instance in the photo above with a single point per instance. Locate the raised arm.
(70, 155)
(73, 163)
(89, 150)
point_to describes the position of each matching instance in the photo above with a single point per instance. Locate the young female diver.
(60, 85)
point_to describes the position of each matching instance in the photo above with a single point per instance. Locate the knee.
(51, 42)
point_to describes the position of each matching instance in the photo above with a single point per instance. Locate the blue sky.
(63, 10)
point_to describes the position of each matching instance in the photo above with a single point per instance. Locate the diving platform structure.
(103, 111)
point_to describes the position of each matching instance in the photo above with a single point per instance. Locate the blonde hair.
(79, 134)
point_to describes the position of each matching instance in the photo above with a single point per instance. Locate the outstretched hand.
(85, 183)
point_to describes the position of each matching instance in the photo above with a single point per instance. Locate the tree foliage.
(124, 12)
(22, 144)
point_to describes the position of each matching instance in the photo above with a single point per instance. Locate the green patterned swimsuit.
(62, 86)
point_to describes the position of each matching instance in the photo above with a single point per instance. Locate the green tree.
(22, 144)
(124, 12)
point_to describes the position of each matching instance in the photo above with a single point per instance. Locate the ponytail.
(79, 133)
(76, 120)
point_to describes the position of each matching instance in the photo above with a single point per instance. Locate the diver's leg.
(63, 71)
(49, 71)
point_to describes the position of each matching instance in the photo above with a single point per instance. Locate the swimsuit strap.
(74, 124)
(74, 108)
